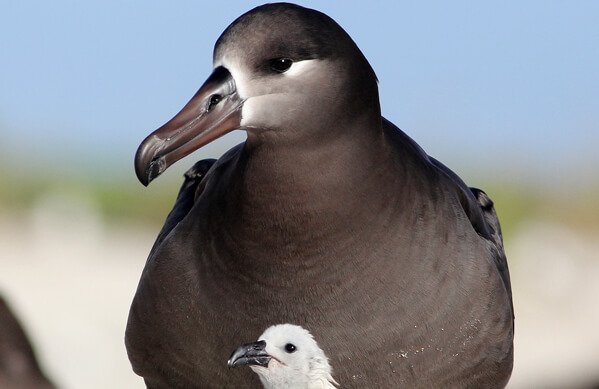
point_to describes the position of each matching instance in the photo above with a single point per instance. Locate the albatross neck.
(303, 193)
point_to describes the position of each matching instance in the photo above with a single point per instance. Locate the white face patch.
(301, 68)
(242, 79)
(261, 112)
(267, 97)
(242, 83)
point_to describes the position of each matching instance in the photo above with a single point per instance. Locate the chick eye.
(280, 65)
(290, 348)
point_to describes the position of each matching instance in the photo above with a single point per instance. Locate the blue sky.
(510, 87)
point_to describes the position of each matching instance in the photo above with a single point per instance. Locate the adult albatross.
(328, 216)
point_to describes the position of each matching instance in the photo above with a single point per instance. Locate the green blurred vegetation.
(122, 199)
(119, 199)
(518, 204)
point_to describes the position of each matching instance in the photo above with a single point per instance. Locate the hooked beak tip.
(143, 178)
(156, 168)
(149, 164)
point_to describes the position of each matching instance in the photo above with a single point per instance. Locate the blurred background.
(506, 94)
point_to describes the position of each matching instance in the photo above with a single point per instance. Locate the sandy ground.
(71, 279)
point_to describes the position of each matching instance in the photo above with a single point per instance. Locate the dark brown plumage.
(328, 216)
(19, 368)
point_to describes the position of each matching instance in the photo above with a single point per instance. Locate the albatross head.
(284, 74)
(286, 356)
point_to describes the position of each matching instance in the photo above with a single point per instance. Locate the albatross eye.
(280, 65)
(290, 348)
(214, 99)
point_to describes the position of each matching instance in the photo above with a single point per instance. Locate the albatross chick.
(286, 356)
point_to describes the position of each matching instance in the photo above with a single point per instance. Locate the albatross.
(286, 356)
(19, 367)
(328, 216)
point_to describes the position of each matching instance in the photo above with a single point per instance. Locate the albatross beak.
(250, 354)
(214, 111)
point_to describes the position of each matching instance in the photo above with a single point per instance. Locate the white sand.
(71, 280)
(555, 278)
